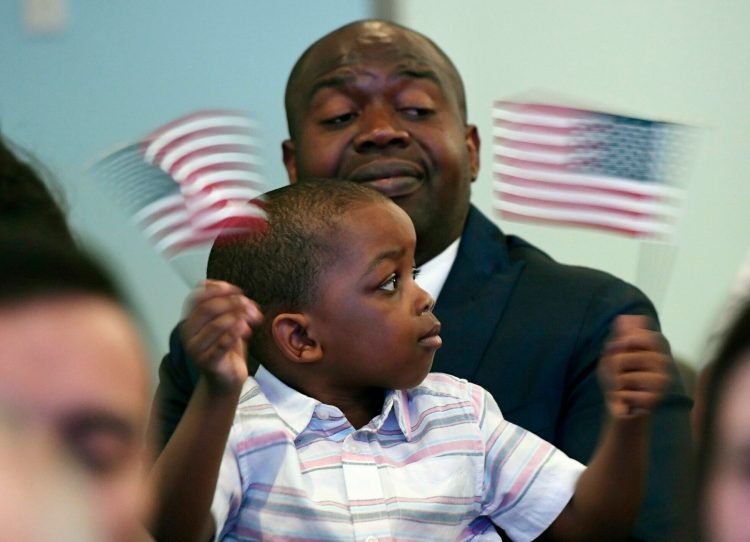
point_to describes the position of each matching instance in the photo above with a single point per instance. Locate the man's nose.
(380, 128)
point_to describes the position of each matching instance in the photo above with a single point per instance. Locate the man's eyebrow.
(338, 81)
(385, 255)
(333, 81)
(418, 73)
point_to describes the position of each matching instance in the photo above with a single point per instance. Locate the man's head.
(71, 364)
(382, 105)
(333, 274)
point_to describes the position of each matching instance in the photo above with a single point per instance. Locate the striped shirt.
(439, 463)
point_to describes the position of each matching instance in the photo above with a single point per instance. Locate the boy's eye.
(415, 271)
(390, 284)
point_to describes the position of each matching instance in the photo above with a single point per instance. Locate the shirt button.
(323, 415)
(371, 539)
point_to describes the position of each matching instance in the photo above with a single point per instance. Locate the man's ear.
(289, 331)
(472, 144)
(289, 154)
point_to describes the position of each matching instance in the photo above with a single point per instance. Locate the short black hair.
(29, 199)
(297, 69)
(279, 265)
(37, 266)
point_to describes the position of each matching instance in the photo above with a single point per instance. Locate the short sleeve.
(527, 481)
(228, 494)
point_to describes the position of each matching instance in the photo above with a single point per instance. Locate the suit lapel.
(474, 296)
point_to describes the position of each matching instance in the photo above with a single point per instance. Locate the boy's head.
(382, 105)
(72, 365)
(333, 274)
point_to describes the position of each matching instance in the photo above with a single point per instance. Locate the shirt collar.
(434, 273)
(293, 407)
(296, 409)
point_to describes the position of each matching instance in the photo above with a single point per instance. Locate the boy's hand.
(633, 370)
(215, 332)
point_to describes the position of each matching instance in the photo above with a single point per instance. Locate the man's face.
(378, 105)
(73, 367)
(372, 321)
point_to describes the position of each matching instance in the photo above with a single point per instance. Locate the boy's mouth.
(432, 339)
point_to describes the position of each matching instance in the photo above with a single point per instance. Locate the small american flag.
(190, 180)
(570, 166)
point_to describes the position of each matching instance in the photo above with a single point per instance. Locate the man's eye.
(390, 284)
(340, 119)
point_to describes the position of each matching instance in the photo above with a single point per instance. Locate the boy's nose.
(425, 303)
(380, 128)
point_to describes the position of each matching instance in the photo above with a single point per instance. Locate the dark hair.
(297, 68)
(279, 266)
(727, 359)
(26, 202)
(35, 266)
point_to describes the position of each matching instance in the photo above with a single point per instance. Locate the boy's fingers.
(636, 361)
(626, 323)
(201, 339)
(209, 309)
(637, 381)
(628, 402)
(637, 340)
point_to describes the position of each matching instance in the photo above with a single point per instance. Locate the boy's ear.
(289, 330)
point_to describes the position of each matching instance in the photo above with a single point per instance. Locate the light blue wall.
(121, 69)
(686, 62)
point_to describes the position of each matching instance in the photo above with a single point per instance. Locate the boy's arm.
(633, 373)
(185, 474)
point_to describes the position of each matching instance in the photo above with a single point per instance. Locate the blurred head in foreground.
(724, 462)
(72, 367)
(26, 202)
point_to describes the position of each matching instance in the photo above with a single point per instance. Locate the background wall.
(675, 60)
(117, 70)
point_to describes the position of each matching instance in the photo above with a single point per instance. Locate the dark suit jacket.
(529, 330)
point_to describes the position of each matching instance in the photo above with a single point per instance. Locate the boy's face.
(373, 322)
(73, 367)
(378, 105)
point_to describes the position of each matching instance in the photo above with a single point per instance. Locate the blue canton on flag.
(571, 166)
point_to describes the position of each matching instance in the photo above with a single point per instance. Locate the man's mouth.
(392, 178)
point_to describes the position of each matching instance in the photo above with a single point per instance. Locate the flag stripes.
(190, 180)
(570, 166)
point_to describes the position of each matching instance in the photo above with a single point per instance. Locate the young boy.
(343, 434)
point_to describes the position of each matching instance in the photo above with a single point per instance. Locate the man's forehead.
(352, 50)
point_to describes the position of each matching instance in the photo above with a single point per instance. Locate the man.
(382, 105)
